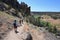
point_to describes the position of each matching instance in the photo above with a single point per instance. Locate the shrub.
(38, 22)
(31, 19)
(43, 23)
(55, 17)
(49, 26)
(54, 29)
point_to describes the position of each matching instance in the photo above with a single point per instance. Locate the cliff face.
(12, 3)
(19, 7)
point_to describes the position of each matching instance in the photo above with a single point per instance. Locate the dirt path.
(37, 35)
(13, 36)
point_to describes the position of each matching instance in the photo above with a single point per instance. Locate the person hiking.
(21, 22)
(15, 26)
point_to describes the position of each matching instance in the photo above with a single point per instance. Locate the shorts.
(15, 26)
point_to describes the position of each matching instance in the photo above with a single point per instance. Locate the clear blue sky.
(43, 5)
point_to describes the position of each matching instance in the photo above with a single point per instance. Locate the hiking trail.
(36, 35)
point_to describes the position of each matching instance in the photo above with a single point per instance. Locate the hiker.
(21, 22)
(15, 26)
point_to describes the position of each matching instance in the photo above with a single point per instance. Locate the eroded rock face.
(2, 7)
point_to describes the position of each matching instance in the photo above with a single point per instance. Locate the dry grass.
(53, 22)
(7, 21)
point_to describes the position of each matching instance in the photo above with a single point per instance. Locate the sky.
(43, 5)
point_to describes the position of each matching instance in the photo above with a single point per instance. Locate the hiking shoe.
(16, 32)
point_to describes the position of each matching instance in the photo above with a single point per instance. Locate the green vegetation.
(36, 16)
(37, 21)
(54, 29)
(40, 23)
(55, 16)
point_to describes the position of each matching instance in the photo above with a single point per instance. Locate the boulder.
(27, 36)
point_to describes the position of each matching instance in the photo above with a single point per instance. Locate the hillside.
(14, 7)
(12, 10)
(14, 4)
(25, 30)
(5, 23)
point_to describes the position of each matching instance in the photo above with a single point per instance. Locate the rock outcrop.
(28, 36)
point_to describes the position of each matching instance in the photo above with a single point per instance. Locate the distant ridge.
(45, 12)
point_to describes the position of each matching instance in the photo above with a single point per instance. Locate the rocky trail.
(25, 30)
